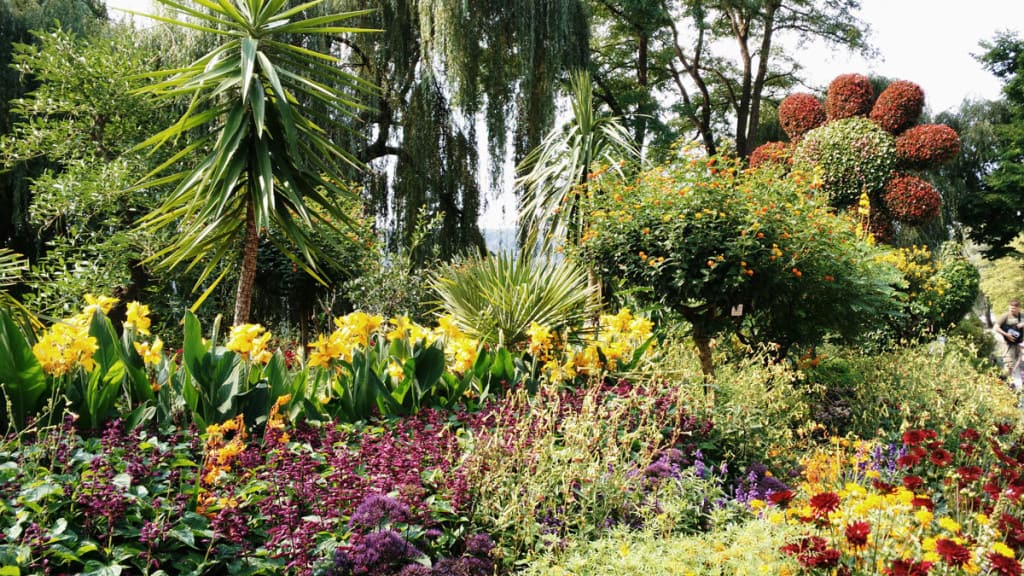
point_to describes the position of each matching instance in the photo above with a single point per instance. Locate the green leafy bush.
(750, 252)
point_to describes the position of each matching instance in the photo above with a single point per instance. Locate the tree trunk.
(247, 277)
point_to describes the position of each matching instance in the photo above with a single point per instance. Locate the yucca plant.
(496, 298)
(255, 103)
(556, 175)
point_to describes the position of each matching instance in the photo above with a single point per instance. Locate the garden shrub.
(855, 156)
(925, 385)
(705, 239)
(849, 95)
(800, 113)
(898, 106)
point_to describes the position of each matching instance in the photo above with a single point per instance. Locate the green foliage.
(255, 115)
(81, 125)
(23, 386)
(705, 240)
(991, 214)
(956, 290)
(855, 156)
(496, 298)
(930, 385)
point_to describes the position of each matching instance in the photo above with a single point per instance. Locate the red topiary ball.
(800, 113)
(912, 200)
(927, 146)
(848, 95)
(898, 106)
(771, 153)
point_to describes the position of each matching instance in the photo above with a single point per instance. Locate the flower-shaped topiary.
(854, 154)
(771, 153)
(857, 155)
(799, 114)
(912, 200)
(927, 146)
(849, 95)
(898, 106)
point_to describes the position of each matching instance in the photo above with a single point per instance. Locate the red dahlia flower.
(940, 457)
(1004, 566)
(857, 533)
(952, 553)
(912, 482)
(824, 504)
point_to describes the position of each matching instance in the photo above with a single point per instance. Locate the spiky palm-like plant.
(496, 298)
(555, 176)
(12, 267)
(255, 103)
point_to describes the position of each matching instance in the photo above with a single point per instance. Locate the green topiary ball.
(855, 156)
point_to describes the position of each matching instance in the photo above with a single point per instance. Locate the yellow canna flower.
(151, 353)
(102, 303)
(137, 318)
(250, 341)
(395, 371)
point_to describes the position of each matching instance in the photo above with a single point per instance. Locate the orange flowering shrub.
(849, 95)
(927, 146)
(730, 249)
(800, 113)
(898, 106)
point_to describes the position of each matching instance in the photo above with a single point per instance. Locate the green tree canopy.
(644, 49)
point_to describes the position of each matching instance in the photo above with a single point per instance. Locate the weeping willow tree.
(443, 65)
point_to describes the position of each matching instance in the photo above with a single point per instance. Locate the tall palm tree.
(255, 103)
(555, 176)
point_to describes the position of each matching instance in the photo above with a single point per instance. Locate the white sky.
(929, 42)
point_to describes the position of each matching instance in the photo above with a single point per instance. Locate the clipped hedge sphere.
(855, 156)
(912, 201)
(927, 146)
(771, 153)
(799, 114)
(849, 95)
(898, 106)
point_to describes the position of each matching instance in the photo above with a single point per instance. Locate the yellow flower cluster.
(616, 338)
(68, 344)
(915, 263)
(137, 318)
(250, 341)
(64, 346)
(352, 330)
(218, 461)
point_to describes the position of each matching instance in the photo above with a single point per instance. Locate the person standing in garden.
(1010, 325)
